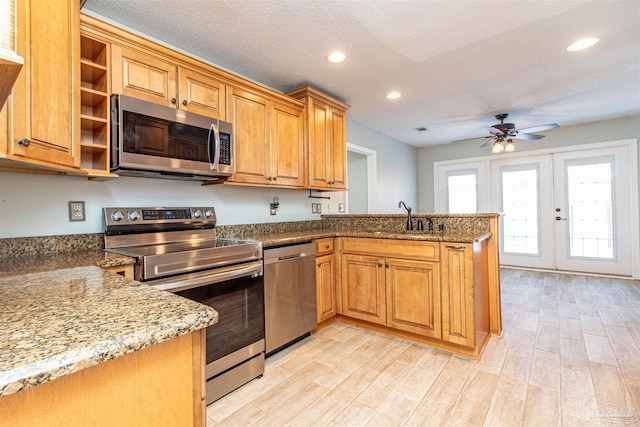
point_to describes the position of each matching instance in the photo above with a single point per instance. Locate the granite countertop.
(277, 239)
(58, 322)
(49, 262)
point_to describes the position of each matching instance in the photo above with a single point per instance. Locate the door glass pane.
(520, 206)
(461, 192)
(590, 216)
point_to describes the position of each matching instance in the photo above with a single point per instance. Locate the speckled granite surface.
(59, 322)
(37, 246)
(54, 261)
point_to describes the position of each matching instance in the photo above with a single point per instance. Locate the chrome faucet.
(409, 222)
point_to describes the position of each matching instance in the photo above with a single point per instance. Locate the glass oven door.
(240, 306)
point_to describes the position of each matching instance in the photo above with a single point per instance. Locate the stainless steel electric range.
(177, 250)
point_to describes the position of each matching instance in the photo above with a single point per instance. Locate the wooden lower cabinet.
(325, 287)
(435, 293)
(123, 270)
(326, 279)
(363, 288)
(464, 292)
(159, 385)
(413, 296)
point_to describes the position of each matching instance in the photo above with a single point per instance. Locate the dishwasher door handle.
(300, 255)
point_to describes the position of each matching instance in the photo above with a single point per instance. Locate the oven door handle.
(209, 277)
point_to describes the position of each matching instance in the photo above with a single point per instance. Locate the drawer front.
(405, 249)
(324, 246)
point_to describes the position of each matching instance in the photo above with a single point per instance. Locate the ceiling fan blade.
(527, 136)
(494, 130)
(471, 139)
(489, 142)
(540, 128)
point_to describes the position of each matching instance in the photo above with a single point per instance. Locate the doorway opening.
(361, 197)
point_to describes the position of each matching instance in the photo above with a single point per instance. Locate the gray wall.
(357, 182)
(608, 130)
(397, 167)
(36, 205)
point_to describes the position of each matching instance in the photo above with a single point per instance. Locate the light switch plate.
(76, 211)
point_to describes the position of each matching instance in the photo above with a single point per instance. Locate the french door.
(567, 211)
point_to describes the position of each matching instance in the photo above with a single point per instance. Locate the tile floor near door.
(570, 356)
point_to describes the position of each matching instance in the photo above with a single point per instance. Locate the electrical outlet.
(341, 207)
(76, 211)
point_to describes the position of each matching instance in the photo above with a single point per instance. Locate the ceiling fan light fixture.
(510, 146)
(336, 57)
(393, 95)
(497, 147)
(583, 44)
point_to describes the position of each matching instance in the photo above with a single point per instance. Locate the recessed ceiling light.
(336, 57)
(583, 44)
(422, 129)
(393, 95)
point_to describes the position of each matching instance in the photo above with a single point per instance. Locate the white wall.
(36, 205)
(608, 130)
(397, 167)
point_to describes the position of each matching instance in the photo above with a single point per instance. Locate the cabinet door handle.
(456, 247)
(318, 264)
(24, 142)
(387, 265)
(379, 264)
(184, 102)
(173, 100)
(275, 177)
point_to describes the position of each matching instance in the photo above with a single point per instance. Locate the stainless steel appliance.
(177, 250)
(290, 294)
(156, 141)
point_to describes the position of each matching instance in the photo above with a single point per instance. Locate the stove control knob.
(197, 213)
(133, 215)
(117, 216)
(208, 213)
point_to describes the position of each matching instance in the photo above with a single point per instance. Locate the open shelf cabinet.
(94, 108)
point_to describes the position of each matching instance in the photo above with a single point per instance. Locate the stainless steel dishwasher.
(289, 294)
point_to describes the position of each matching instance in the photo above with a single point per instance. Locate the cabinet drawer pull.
(456, 247)
(24, 142)
(326, 246)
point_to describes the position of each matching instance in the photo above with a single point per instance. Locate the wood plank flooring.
(570, 356)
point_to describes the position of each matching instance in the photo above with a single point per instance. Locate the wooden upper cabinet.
(251, 151)
(268, 140)
(287, 150)
(10, 62)
(326, 138)
(202, 94)
(155, 79)
(44, 125)
(143, 76)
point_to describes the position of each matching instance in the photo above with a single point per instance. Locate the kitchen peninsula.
(81, 346)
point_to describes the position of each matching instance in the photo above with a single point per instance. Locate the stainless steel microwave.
(156, 141)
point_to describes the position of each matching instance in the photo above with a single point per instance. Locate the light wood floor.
(570, 356)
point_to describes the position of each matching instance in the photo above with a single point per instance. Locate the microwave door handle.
(216, 155)
(211, 129)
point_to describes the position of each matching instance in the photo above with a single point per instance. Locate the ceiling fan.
(503, 134)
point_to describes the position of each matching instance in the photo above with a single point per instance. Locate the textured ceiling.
(456, 63)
